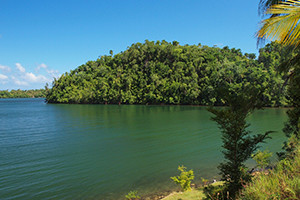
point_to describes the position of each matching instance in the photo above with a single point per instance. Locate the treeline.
(168, 73)
(23, 93)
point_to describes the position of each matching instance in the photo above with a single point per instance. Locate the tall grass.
(281, 183)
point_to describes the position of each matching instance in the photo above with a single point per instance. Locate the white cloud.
(21, 77)
(20, 67)
(18, 82)
(22, 83)
(30, 77)
(41, 66)
(53, 73)
(3, 77)
(5, 68)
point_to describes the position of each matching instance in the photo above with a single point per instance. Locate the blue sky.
(41, 39)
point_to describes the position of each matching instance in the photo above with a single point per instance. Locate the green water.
(103, 151)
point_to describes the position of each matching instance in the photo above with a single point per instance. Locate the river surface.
(50, 151)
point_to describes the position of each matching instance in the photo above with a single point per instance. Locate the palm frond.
(285, 26)
(265, 4)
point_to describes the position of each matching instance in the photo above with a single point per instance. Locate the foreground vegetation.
(23, 93)
(192, 194)
(281, 183)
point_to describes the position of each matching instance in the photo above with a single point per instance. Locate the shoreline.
(146, 104)
(195, 188)
(196, 191)
(162, 105)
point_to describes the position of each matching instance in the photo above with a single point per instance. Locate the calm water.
(104, 151)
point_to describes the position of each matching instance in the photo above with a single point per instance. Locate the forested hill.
(168, 73)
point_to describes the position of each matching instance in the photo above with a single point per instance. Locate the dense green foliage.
(238, 143)
(281, 183)
(292, 127)
(168, 73)
(22, 93)
(184, 179)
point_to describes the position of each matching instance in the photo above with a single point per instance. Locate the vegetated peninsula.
(37, 93)
(168, 73)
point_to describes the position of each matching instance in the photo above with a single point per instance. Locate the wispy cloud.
(3, 77)
(20, 67)
(41, 66)
(53, 73)
(5, 68)
(18, 82)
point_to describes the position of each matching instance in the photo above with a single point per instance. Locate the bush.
(184, 179)
(262, 158)
(132, 195)
(204, 181)
(216, 191)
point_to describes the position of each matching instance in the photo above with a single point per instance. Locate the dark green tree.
(238, 142)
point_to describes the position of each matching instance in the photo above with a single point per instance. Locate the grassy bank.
(195, 193)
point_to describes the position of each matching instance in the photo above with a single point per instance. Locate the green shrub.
(216, 192)
(204, 181)
(262, 158)
(184, 179)
(132, 195)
